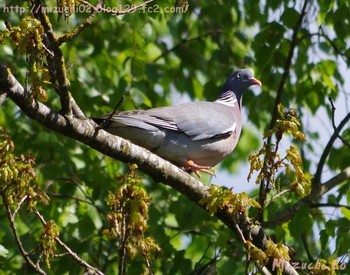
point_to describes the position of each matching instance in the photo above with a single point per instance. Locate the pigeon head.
(240, 80)
(235, 85)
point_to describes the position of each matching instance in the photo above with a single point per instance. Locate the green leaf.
(290, 17)
(330, 227)
(301, 223)
(345, 212)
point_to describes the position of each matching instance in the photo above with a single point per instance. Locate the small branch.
(122, 253)
(334, 205)
(315, 194)
(25, 254)
(345, 57)
(334, 182)
(240, 233)
(347, 144)
(278, 196)
(56, 195)
(69, 251)
(317, 177)
(75, 32)
(19, 206)
(206, 268)
(185, 41)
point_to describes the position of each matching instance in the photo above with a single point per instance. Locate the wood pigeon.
(196, 135)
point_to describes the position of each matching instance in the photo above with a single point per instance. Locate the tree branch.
(25, 255)
(308, 200)
(347, 144)
(334, 205)
(69, 251)
(185, 41)
(345, 57)
(317, 177)
(69, 36)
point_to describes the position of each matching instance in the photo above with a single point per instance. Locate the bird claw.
(195, 168)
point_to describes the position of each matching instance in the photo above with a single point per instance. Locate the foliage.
(222, 198)
(268, 161)
(73, 209)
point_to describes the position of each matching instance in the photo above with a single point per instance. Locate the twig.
(335, 181)
(69, 251)
(19, 205)
(333, 124)
(149, 267)
(24, 253)
(205, 269)
(314, 195)
(334, 205)
(122, 249)
(317, 177)
(345, 57)
(185, 41)
(106, 122)
(263, 269)
(75, 32)
(77, 112)
(240, 233)
(280, 194)
(57, 195)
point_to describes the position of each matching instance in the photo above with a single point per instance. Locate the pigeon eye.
(239, 75)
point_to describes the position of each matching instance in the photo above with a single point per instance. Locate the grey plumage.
(194, 135)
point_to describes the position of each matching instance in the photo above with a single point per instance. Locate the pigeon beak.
(254, 81)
